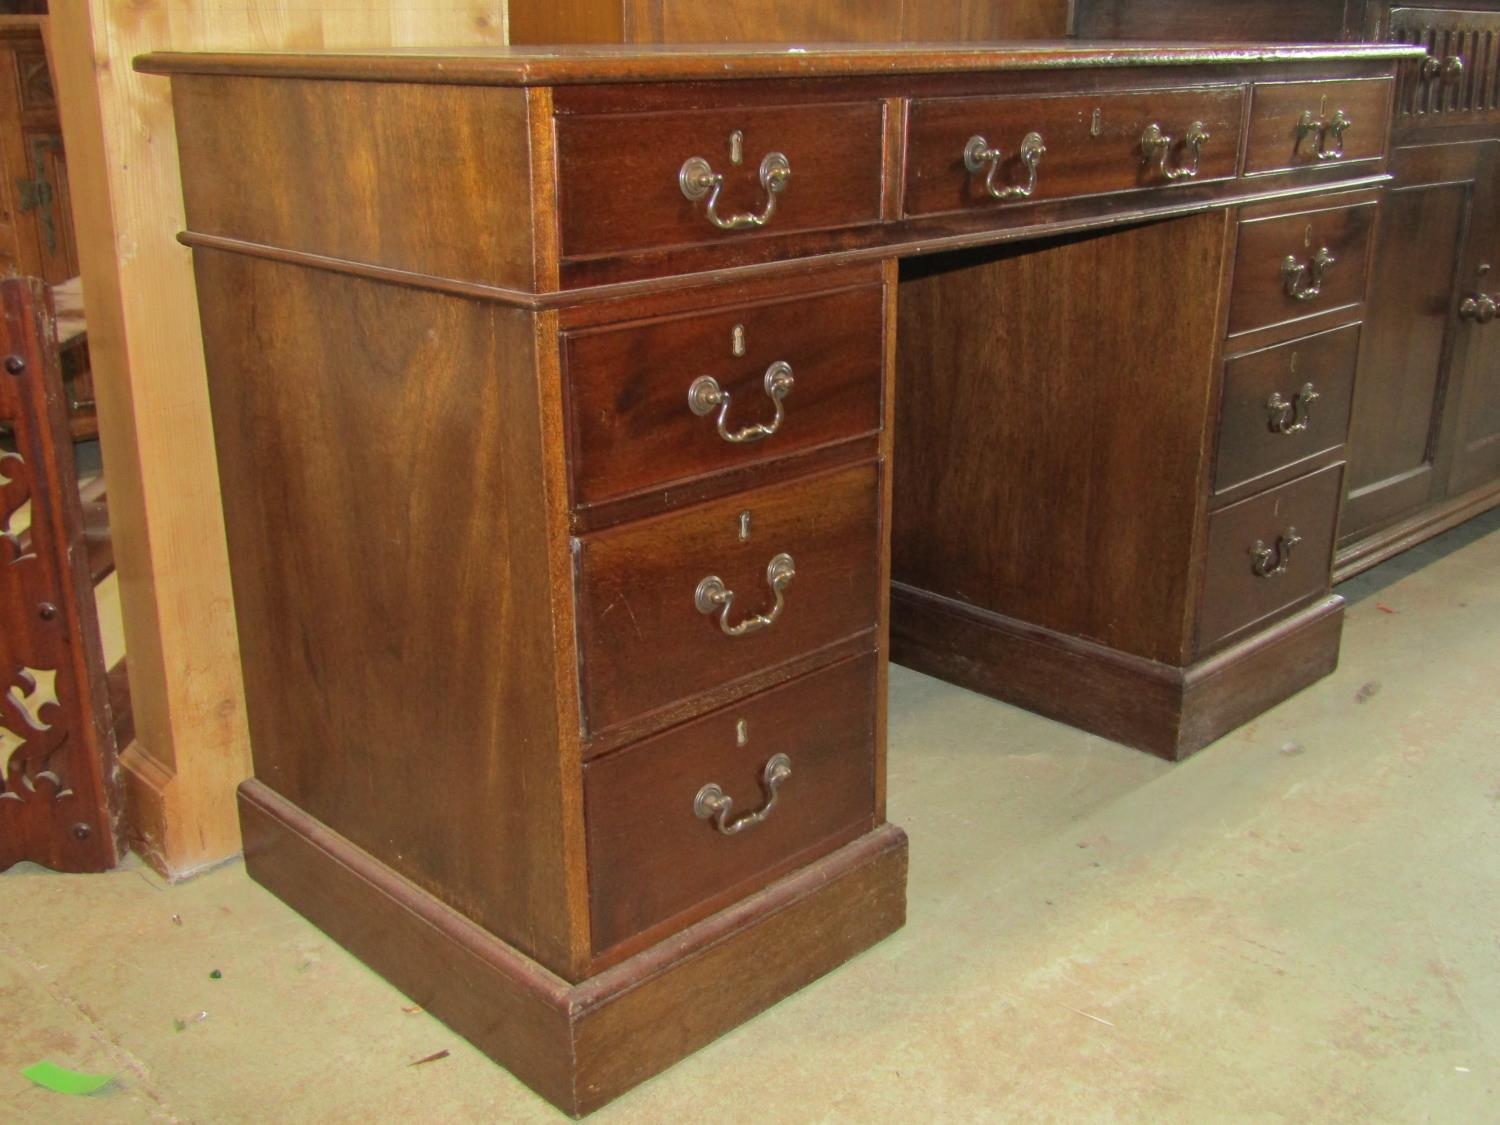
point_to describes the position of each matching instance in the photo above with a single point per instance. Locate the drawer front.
(1459, 84)
(1284, 405)
(1312, 124)
(1268, 555)
(659, 401)
(1289, 267)
(621, 176)
(1084, 154)
(652, 856)
(647, 637)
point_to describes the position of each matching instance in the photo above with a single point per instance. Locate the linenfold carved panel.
(57, 796)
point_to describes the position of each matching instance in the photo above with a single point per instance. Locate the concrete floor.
(1299, 924)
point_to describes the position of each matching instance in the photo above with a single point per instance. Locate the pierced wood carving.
(59, 797)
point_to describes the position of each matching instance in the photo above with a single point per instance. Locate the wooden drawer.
(1289, 267)
(1315, 124)
(1284, 405)
(1251, 575)
(620, 174)
(1084, 155)
(633, 419)
(646, 644)
(1460, 83)
(651, 857)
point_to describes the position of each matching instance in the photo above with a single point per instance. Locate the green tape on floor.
(64, 1081)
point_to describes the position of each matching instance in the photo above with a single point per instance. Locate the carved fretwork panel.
(59, 797)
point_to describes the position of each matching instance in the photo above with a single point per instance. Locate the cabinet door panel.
(1409, 335)
(1476, 356)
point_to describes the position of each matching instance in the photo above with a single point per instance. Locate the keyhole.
(1307, 236)
(737, 147)
(737, 341)
(1097, 126)
(744, 527)
(1294, 362)
(742, 733)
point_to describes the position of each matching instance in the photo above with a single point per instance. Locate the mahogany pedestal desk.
(554, 408)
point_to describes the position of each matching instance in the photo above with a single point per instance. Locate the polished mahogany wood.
(631, 426)
(1093, 144)
(1263, 295)
(579, 1045)
(645, 644)
(562, 66)
(1278, 139)
(653, 860)
(618, 174)
(1020, 486)
(390, 556)
(521, 659)
(1266, 423)
(1268, 555)
(378, 194)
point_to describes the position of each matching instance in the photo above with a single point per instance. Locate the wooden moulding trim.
(1389, 542)
(590, 65)
(928, 603)
(912, 246)
(578, 1045)
(1211, 667)
(1176, 710)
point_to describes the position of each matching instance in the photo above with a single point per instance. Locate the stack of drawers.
(721, 637)
(1297, 296)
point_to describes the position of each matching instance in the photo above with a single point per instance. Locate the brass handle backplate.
(1304, 281)
(1292, 417)
(1329, 132)
(1268, 561)
(705, 396)
(712, 596)
(698, 179)
(1480, 308)
(980, 157)
(1157, 145)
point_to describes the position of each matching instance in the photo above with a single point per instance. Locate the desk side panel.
(426, 178)
(385, 476)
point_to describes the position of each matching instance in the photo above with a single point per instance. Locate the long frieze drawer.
(717, 807)
(1268, 555)
(966, 153)
(657, 401)
(1311, 124)
(1285, 404)
(637, 181)
(683, 604)
(1289, 267)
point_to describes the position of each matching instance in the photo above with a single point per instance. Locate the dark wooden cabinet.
(1425, 432)
(1419, 354)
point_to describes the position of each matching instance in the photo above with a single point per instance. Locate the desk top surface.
(581, 64)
